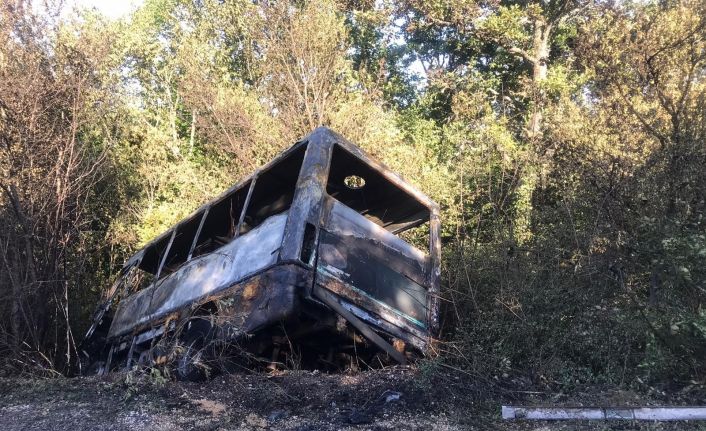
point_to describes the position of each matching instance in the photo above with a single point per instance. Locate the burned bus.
(306, 258)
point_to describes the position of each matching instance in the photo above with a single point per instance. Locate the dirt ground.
(394, 398)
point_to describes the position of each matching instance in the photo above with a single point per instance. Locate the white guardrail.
(696, 413)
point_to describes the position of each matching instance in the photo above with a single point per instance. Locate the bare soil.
(393, 398)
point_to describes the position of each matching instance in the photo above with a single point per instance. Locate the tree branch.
(519, 52)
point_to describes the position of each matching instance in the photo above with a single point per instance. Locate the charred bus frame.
(300, 244)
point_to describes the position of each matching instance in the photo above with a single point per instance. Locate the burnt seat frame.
(294, 278)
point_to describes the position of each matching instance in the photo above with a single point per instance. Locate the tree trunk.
(193, 131)
(533, 173)
(540, 56)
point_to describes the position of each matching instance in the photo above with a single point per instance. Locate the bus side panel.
(205, 275)
(377, 268)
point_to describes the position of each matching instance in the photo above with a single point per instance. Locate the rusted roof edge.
(385, 170)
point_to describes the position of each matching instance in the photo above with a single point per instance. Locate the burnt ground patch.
(391, 398)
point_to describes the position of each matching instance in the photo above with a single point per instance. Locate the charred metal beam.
(330, 300)
(198, 233)
(131, 352)
(309, 193)
(164, 256)
(241, 219)
(435, 274)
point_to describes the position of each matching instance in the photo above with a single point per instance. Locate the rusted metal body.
(293, 250)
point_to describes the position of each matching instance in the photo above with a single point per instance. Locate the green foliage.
(508, 25)
(571, 255)
(563, 140)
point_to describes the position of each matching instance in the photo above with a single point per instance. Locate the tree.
(649, 63)
(304, 65)
(53, 91)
